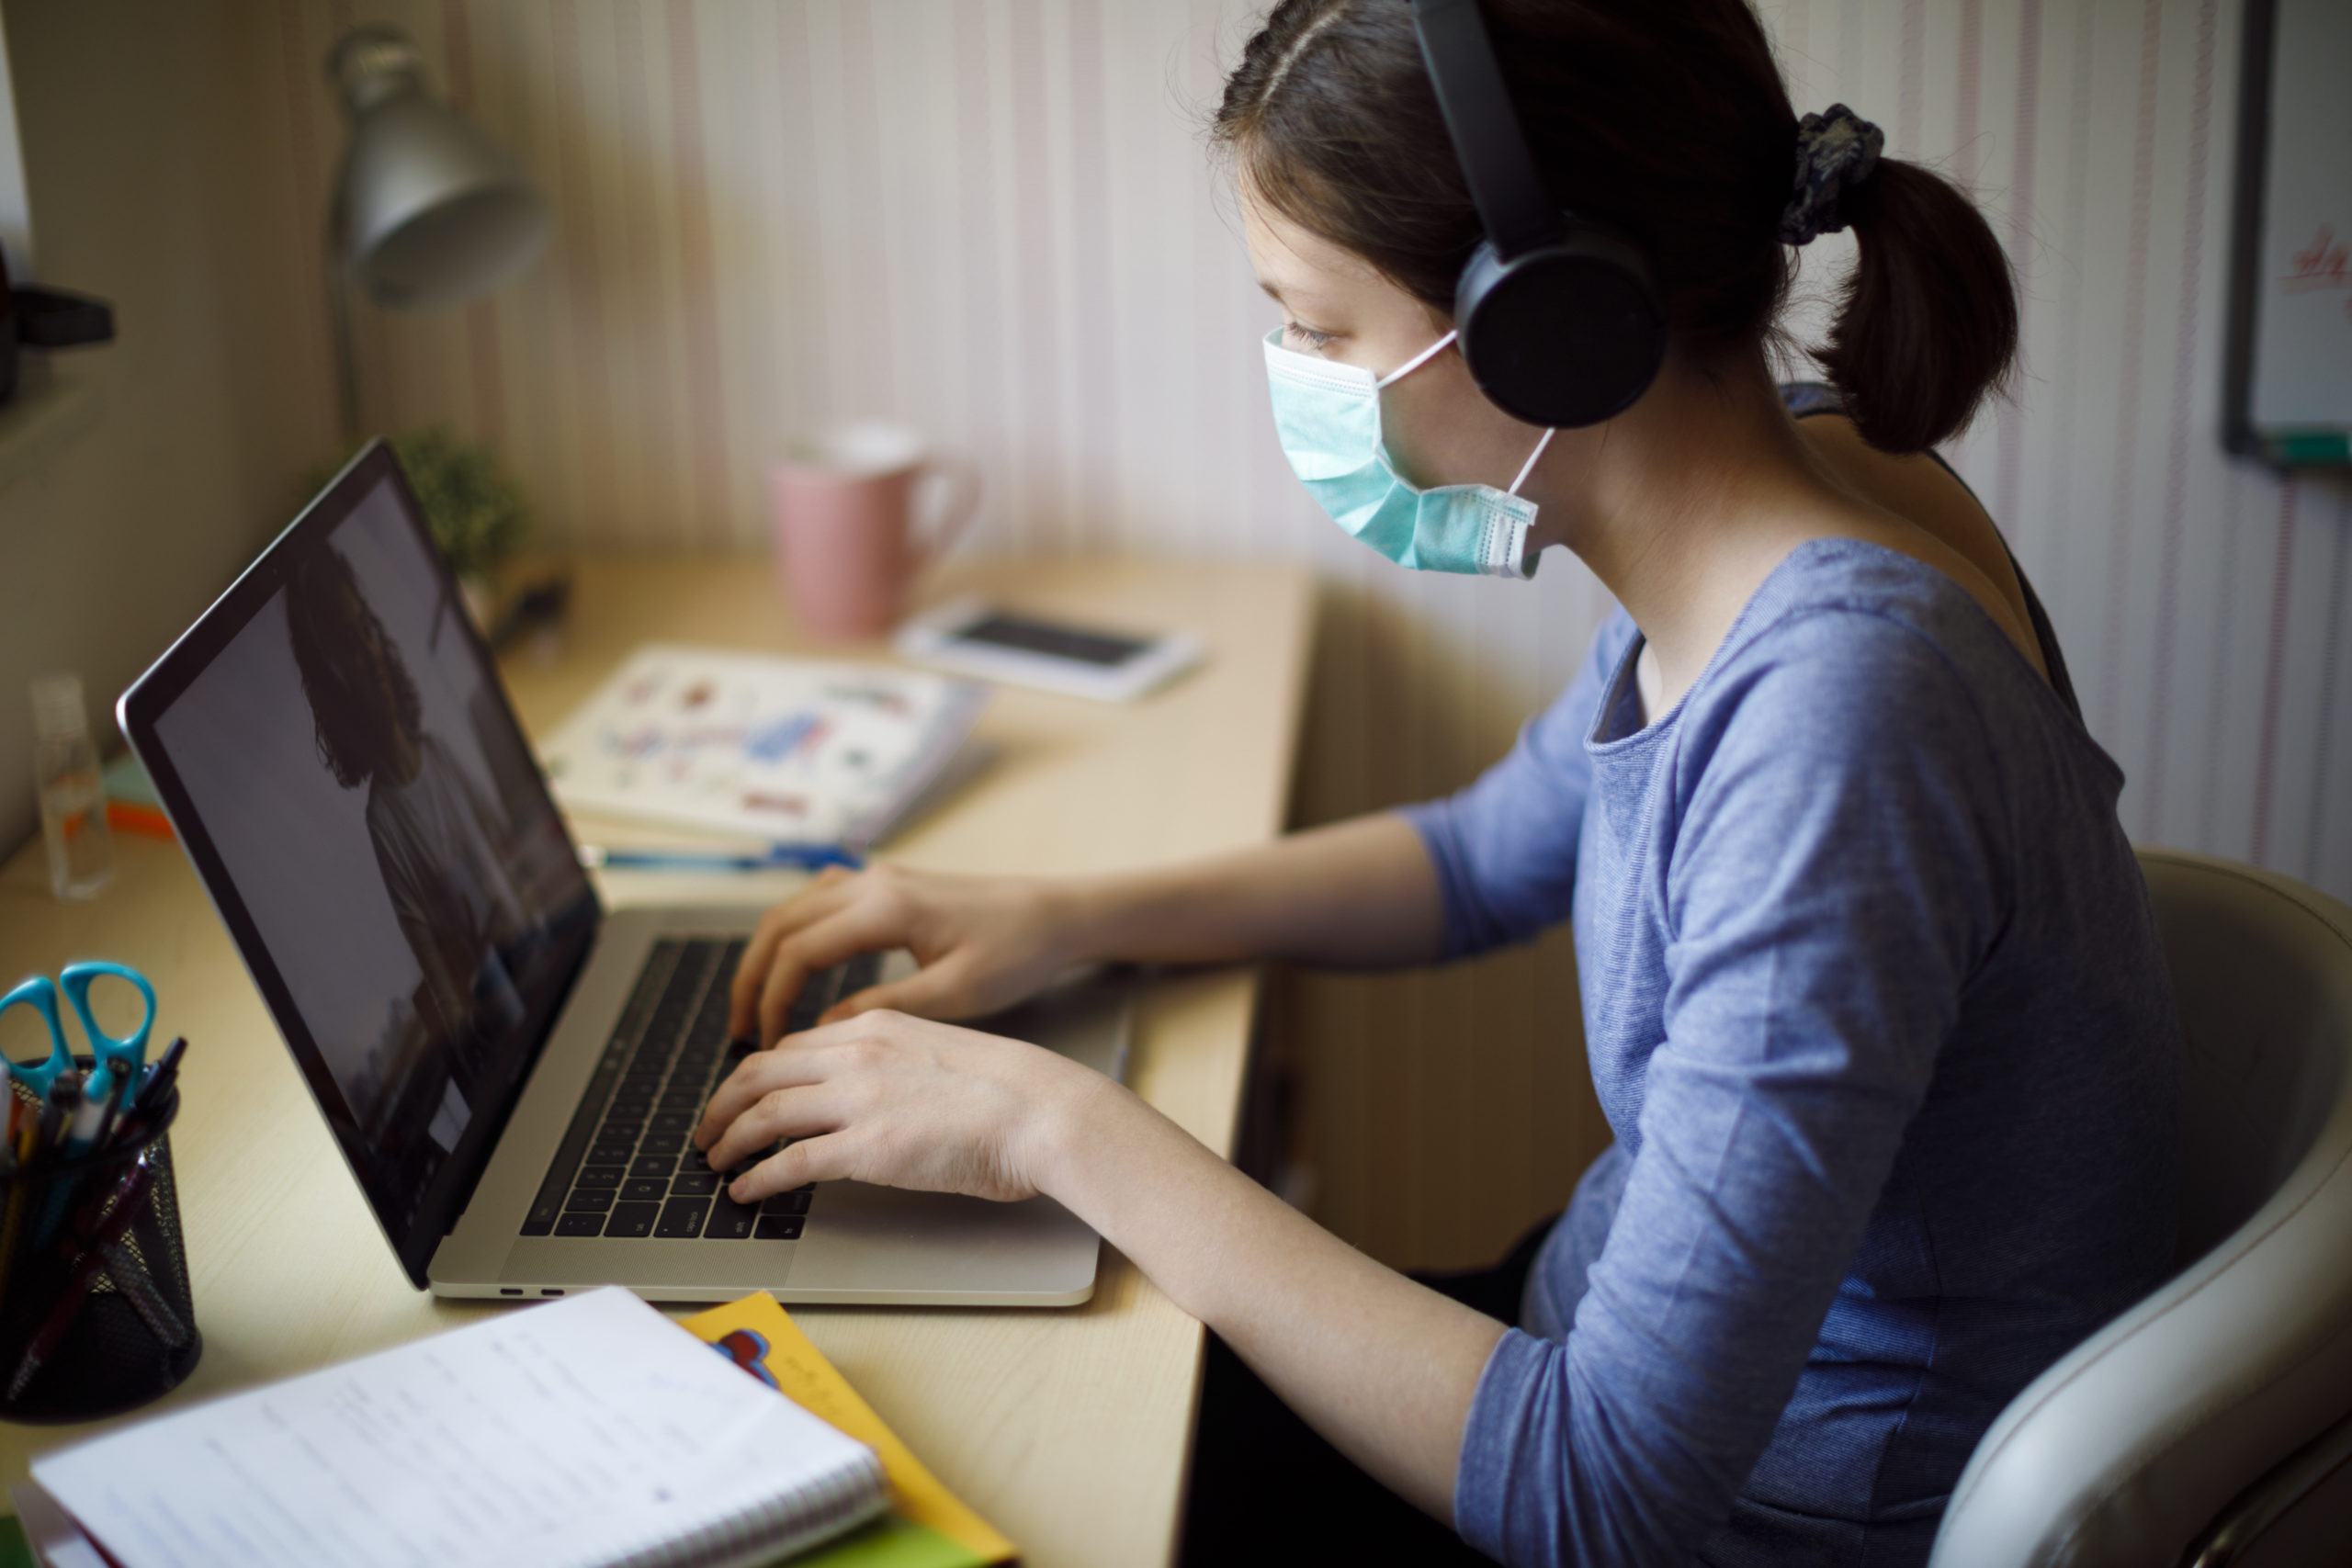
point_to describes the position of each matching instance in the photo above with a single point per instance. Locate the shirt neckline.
(1733, 639)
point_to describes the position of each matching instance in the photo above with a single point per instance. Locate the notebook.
(586, 1433)
(767, 748)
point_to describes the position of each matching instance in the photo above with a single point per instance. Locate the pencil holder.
(96, 1316)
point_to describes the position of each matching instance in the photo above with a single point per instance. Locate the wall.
(151, 156)
(994, 218)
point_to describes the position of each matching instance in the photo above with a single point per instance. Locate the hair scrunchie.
(1835, 150)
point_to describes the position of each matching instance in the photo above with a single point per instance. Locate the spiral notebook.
(586, 1433)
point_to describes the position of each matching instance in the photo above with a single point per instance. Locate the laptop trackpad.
(878, 1243)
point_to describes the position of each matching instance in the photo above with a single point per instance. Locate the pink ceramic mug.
(847, 545)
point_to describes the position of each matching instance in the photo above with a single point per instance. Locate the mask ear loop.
(1417, 361)
(1529, 467)
(1432, 353)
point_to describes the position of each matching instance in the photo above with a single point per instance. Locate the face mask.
(1328, 416)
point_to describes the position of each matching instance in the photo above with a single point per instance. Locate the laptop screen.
(336, 752)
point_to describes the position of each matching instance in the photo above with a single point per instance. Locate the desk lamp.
(428, 211)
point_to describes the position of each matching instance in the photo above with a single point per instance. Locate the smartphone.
(975, 638)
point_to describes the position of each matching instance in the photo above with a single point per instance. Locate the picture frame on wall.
(2287, 389)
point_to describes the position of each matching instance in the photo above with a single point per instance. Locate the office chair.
(2212, 1423)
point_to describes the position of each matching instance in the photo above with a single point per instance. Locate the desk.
(1068, 1429)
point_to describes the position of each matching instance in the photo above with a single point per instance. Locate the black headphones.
(1559, 321)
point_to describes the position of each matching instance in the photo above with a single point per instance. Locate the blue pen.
(67, 1124)
(775, 857)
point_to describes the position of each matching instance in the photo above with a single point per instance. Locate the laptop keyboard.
(627, 1165)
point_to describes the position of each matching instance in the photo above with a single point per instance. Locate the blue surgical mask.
(1328, 416)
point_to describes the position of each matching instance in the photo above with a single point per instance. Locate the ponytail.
(1928, 324)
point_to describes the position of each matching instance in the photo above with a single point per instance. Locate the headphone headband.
(1557, 319)
(1513, 204)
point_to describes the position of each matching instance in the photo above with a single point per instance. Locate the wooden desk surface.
(1068, 1429)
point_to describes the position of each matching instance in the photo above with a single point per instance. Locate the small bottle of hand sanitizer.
(72, 795)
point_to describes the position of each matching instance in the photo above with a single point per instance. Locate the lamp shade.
(429, 210)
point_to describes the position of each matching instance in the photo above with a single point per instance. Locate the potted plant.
(475, 514)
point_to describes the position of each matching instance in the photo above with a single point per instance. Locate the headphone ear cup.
(1563, 334)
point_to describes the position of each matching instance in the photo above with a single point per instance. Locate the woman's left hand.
(896, 1102)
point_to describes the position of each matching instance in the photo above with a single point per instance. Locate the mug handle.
(958, 488)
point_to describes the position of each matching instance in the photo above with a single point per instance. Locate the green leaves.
(475, 514)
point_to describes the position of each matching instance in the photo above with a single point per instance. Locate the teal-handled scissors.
(117, 1058)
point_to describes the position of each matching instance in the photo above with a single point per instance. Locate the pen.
(81, 1137)
(88, 1115)
(61, 1123)
(57, 1111)
(158, 1081)
(118, 1097)
(123, 1267)
(145, 1299)
(138, 1094)
(28, 1148)
(104, 1091)
(92, 1217)
(61, 1317)
(152, 1092)
(801, 857)
(130, 1277)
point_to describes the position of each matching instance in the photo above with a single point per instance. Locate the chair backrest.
(2130, 1448)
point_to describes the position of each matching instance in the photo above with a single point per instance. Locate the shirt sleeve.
(1832, 881)
(1505, 848)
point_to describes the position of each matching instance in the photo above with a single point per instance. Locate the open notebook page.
(588, 1431)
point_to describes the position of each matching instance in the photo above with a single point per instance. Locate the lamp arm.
(346, 361)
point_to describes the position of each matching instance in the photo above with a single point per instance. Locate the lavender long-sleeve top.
(1876, 1012)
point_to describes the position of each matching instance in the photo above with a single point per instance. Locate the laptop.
(512, 1071)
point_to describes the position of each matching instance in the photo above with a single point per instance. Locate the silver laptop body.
(507, 1067)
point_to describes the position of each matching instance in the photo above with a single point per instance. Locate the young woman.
(433, 828)
(1872, 994)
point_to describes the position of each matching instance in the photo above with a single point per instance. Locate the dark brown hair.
(358, 684)
(1665, 119)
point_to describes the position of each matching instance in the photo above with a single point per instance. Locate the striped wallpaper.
(994, 218)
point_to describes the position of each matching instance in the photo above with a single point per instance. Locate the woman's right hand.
(983, 943)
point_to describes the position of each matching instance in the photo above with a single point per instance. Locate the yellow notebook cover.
(932, 1528)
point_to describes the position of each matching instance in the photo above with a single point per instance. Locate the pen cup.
(95, 1315)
